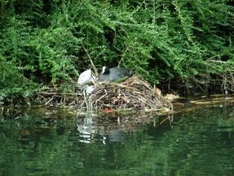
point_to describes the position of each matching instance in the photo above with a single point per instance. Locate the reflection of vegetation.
(197, 144)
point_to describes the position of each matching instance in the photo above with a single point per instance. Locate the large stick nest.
(130, 94)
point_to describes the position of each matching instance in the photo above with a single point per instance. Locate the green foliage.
(13, 83)
(53, 41)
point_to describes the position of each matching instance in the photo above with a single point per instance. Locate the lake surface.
(199, 142)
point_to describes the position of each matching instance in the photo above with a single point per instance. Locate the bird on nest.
(114, 74)
(85, 79)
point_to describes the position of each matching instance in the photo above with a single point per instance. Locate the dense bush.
(52, 41)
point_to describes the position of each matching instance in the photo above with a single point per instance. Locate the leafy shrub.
(53, 41)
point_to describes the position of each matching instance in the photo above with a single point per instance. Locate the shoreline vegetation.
(180, 48)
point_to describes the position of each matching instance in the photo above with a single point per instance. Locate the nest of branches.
(130, 94)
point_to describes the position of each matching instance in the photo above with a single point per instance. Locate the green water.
(200, 142)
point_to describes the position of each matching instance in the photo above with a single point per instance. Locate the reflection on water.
(86, 130)
(200, 143)
(91, 130)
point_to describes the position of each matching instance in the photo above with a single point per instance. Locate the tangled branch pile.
(131, 94)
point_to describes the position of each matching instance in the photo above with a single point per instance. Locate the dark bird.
(114, 74)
